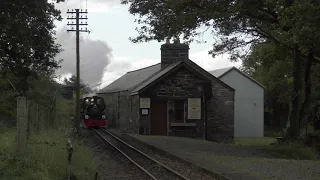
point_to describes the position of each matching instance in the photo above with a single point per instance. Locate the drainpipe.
(204, 118)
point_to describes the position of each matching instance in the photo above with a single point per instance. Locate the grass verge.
(255, 141)
(286, 151)
(292, 151)
(45, 158)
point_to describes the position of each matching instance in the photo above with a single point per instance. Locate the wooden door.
(159, 118)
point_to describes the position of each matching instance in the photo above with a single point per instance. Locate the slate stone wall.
(132, 123)
(119, 110)
(182, 84)
(124, 110)
(220, 108)
(172, 53)
(220, 113)
(111, 100)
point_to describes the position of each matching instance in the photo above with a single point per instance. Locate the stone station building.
(175, 97)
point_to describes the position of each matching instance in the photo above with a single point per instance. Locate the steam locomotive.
(93, 112)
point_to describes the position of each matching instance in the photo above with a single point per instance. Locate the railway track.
(151, 167)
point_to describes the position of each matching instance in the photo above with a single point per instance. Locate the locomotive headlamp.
(103, 116)
(86, 117)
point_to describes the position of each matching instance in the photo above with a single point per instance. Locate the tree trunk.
(293, 128)
(305, 108)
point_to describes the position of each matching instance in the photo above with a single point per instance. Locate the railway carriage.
(93, 112)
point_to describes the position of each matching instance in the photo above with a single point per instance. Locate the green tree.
(7, 98)
(237, 24)
(271, 65)
(71, 82)
(27, 42)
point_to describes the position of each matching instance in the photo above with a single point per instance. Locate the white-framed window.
(178, 110)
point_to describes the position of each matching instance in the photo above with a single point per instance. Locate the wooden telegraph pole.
(77, 17)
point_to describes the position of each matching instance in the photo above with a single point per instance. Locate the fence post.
(54, 111)
(37, 126)
(40, 118)
(45, 117)
(22, 120)
(49, 117)
(70, 152)
(30, 119)
(47, 121)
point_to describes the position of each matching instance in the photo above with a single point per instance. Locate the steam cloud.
(95, 55)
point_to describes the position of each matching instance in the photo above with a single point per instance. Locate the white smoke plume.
(95, 55)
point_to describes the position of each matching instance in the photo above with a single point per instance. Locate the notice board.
(145, 103)
(194, 108)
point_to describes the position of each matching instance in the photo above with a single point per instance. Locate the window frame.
(185, 110)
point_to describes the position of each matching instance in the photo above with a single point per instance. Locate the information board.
(194, 108)
(145, 103)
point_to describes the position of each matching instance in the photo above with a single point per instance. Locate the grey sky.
(111, 25)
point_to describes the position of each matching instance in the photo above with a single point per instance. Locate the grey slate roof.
(154, 77)
(219, 72)
(132, 79)
(136, 80)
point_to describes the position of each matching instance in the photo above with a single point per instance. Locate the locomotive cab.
(93, 112)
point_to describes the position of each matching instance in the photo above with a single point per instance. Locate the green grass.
(271, 147)
(45, 158)
(292, 151)
(255, 141)
(64, 109)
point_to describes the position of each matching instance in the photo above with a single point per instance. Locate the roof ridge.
(143, 68)
(222, 68)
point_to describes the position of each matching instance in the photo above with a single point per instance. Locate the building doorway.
(159, 118)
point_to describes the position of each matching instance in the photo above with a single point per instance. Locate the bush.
(277, 134)
(293, 151)
(63, 112)
(45, 158)
(313, 140)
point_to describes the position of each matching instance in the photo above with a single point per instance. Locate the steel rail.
(125, 155)
(147, 156)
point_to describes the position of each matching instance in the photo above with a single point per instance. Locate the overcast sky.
(106, 53)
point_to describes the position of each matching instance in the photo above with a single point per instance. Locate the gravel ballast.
(110, 164)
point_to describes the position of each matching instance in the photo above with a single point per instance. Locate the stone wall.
(117, 109)
(132, 123)
(220, 113)
(183, 84)
(172, 53)
(220, 109)
(124, 110)
(111, 101)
